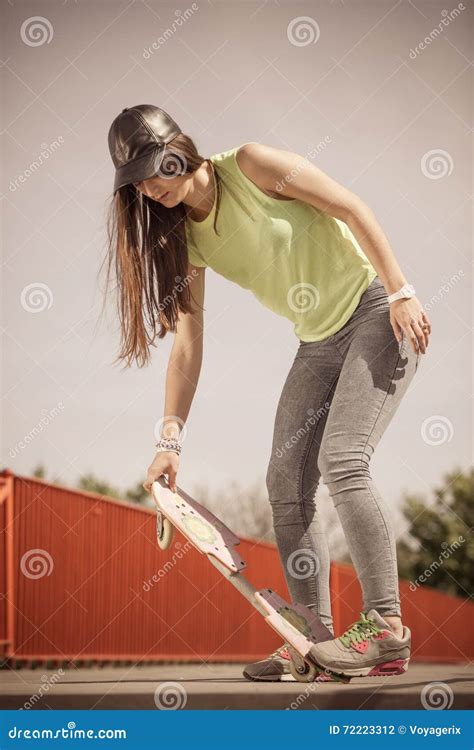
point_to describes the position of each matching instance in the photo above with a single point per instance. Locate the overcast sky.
(392, 113)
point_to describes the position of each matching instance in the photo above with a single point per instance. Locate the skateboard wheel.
(164, 531)
(307, 673)
(303, 671)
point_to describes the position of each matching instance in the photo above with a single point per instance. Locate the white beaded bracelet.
(168, 444)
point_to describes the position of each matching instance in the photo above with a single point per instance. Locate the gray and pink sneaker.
(369, 648)
(276, 668)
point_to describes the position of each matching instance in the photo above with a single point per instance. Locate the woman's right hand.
(167, 463)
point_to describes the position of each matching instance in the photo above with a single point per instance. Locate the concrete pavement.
(221, 686)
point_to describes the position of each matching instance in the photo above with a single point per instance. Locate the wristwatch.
(407, 291)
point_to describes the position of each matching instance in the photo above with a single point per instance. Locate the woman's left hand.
(407, 316)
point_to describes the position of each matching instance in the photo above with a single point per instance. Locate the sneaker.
(276, 668)
(369, 648)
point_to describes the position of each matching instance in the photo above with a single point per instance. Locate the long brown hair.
(148, 251)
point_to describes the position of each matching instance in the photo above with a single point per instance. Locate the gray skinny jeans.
(336, 403)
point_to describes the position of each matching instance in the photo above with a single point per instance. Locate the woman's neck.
(200, 197)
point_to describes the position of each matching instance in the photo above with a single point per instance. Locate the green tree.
(136, 494)
(39, 471)
(439, 548)
(91, 483)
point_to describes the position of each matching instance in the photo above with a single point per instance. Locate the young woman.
(312, 251)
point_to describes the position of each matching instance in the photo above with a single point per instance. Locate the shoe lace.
(282, 652)
(364, 628)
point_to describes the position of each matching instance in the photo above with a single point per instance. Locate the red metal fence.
(84, 580)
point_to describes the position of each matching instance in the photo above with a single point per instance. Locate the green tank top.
(298, 261)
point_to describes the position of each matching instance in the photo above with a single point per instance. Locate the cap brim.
(139, 169)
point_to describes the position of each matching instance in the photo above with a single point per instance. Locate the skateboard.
(296, 624)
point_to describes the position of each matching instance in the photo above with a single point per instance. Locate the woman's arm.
(184, 366)
(286, 174)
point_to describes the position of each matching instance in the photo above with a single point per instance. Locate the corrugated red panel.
(438, 621)
(3, 574)
(89, 582)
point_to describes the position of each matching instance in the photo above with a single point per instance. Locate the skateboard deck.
(201, 527)
(297, 624)
(294, 623)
